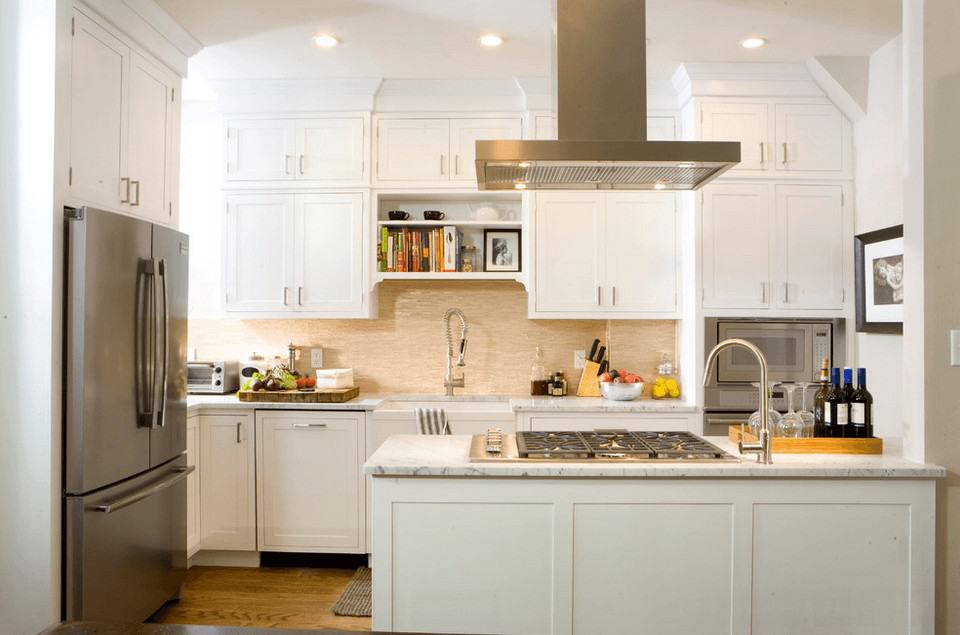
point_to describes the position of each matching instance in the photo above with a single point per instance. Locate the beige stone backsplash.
(404, 349)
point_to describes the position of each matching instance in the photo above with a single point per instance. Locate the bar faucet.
(449, 382)
(764, 447)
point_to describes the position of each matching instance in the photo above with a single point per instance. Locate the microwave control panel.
(821, 346)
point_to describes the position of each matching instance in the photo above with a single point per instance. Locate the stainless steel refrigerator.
(125, 386)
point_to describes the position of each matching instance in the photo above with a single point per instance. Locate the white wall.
(879, 204)
(29, 442)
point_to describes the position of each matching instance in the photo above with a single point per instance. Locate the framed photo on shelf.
(878, 259)
(501, 250)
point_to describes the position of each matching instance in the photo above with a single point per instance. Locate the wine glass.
(791, 424)
(772, 415)
(806, 415)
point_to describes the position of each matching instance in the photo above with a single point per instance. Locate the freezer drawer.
(126, 546)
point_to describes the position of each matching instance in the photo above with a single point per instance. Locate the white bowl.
(620, 392)
(487, 213)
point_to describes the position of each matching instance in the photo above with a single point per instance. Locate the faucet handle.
(745, 447)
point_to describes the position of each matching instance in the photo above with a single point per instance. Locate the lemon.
(661, 381)
(674, 394)
(672, 385)
(659, 391)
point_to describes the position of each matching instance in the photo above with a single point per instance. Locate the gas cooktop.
(596, 445)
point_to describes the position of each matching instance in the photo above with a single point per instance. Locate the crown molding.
(708, 79)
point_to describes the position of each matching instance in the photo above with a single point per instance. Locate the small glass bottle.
(558, 385)
(666, 385)
(538, 376)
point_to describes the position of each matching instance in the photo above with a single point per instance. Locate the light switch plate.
(316, 357)
(579, 359)
(955, 347)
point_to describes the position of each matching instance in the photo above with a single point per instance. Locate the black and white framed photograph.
(501, 250)
(879, 280)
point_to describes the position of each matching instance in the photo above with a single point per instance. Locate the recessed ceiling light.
(326, 41)
(753, 42)
(491, 39)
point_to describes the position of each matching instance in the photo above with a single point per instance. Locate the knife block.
(589, 385)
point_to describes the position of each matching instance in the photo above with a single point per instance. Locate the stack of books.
(419, 250)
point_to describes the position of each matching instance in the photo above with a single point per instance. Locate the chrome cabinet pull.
(763, 158)
(457, 165)
(126, 182)
(614, 296)
(309, 425)
(784, 152)
(300, 296)
(786, 293)
(301, 165)
(441, 165)
(286, 164)
(136, 202)
(599, 296)
(239, 423)
(285, 291)
(763, 292)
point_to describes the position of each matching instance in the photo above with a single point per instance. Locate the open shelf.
(448, 275)
(448, 221)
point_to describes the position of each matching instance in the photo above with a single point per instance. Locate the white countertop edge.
(447, 456)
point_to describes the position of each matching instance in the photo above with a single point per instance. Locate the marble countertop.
(516, 403)
(448, 456)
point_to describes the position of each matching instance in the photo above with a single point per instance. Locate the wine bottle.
(843, 418)
(861, 408)
(820, 399)
(835, 408)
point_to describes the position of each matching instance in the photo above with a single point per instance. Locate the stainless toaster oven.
(215, 378)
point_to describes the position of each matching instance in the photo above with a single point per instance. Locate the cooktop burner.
(614, 444)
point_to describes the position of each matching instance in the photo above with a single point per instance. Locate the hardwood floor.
(264, 597)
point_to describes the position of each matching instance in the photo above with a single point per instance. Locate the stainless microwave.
(794, 349)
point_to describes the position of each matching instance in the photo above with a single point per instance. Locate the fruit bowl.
(620, 391)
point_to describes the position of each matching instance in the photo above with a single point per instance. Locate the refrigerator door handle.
(178, 475)
(165, 351)
(145, 351)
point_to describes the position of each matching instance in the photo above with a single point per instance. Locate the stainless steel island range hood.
(601, 116)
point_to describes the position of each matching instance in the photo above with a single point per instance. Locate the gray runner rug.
(355, 599)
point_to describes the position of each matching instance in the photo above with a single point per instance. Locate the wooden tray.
(320, 395)
(816, 445)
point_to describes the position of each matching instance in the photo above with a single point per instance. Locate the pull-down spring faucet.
(449, 382)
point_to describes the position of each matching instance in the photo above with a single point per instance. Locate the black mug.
(433, 214)
(398, 214)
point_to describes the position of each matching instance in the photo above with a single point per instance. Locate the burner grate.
(614, 444)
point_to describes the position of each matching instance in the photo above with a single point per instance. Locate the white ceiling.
(437, 39)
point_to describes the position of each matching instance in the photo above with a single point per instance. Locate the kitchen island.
(812, 544)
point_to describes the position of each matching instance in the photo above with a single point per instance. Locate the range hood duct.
(601, 64)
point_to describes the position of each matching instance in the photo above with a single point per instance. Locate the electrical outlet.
(579, 359)
(955, 347)
(316, 357)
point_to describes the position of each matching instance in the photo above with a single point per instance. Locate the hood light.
(659, 185)
(524, 164)
(519, 186)
(687, 165)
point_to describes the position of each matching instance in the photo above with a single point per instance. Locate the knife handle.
(600, 353)
(593, 351)
(603, 368)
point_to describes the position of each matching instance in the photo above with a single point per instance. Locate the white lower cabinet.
(193, 485)
(227, 482)
(309, 493)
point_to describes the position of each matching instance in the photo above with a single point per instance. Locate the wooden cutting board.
(816, 445)
(318, 395)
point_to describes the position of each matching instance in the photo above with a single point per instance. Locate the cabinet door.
(227, 483)
(736, 246)
(328, 261)
(640, 259)
(260, 149)
(193, 485)
(330, 149)
(151, 121)
(810, 138)
(743, 122)
(309, 496)
(568, 230)
(413, 149)
(259, 258)
(465, 132)
(809, 231)
(100, 64)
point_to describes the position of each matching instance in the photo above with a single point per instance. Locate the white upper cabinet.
(295, 253)
(124, 126)
(310, 496)
(259, 256)
(810, 138)
(413, 149)
(435, 151)
(98, 78)
(774, 247)
(810, 259)
(640, 248)
(463, 135)
(260, 149)
(743, 122)
(605, 254)
(568, 242)
(780, 138)
(330, 149)
(736, 235)
(152, 116)
(328, 259)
